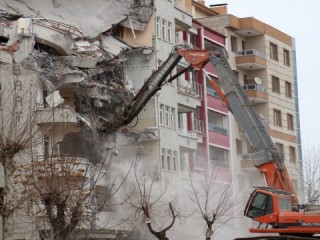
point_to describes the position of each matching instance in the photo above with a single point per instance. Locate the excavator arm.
(276, 204)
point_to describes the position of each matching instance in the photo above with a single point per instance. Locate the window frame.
(163, 29)
(292, 154)
(275, 82)
(277, 118)
(290, 122)
(288, 89)
(169, 31)
(274, 51)
(286, 57)
(234, 44)
(158, 27)
(163, 158)
(161, 114)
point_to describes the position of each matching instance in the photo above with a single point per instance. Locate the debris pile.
(79, 63)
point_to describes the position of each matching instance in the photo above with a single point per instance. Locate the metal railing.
(250, 52)
(218, 129)
(191, 88)
(218, 163)
(199, 162)
(198, 126)
(187, 133)
(256, 87)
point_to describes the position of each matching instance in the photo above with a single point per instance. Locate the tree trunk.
(7, 216)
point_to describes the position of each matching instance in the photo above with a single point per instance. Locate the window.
(18, 116)
(163, 158)
(290, 121)
(286, 57)
(243, 45)
(238, 146)
(169, 167)
(273, 51)
(173, 118)
(174, 161)
(193, 39)
(234, 46)
(292, 154)
(163, 29)
(18, 101)
(169, 34)
(18, 85)
(288, 90)
(166, 116)
(158, 28)
(279, 146)
(161, 111)
(277, 121)
(275, 84)
(260, 206)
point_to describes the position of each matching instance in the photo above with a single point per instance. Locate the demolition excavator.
(275, 206)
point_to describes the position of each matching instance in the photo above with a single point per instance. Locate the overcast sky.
(301, 20)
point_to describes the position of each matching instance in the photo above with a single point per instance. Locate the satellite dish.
(257, 80)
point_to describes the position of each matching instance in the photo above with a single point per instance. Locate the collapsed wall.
(79, 64)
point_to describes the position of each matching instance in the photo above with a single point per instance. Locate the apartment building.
(263, 59)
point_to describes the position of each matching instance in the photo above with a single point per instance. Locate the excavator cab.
(265, 204)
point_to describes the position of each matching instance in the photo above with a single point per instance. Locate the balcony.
(215, 102)
(219, 164)
(251, 60)
(217, 129)
(56, 116)
(60, 165)
(187, 139)
(247, 162)
(256, 93)
(183, 17)
(217, 136)
(192, 89)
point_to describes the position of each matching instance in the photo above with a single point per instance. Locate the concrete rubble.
(75, 55)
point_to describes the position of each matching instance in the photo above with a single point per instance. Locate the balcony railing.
(199, 162)
(191, 88)
(181, 6)
(256, 87)
(215, 128)
(250, 52)
(218, 163)
(187, 133)
(198, 126)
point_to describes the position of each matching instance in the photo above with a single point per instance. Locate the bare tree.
(311, 164)
(213, 200)
(66, 192)
(17, 133)
(145, 196)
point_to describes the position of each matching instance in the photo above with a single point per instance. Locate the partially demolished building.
(66, 64)
(73, 67)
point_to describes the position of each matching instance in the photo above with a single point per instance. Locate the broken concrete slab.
(100, 15)
(72, 76)
(54, 99)
(81, 62)
(113, 45)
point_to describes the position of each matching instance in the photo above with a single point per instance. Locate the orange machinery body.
(282, 218)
